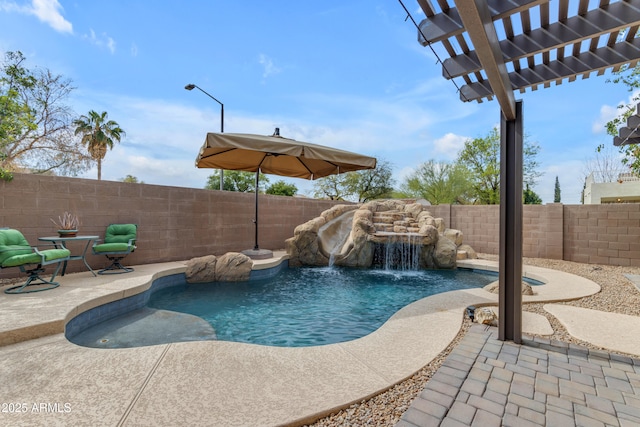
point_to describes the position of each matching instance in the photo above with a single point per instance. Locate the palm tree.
(98, 135)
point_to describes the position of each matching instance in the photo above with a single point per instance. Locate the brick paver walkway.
(486, 382)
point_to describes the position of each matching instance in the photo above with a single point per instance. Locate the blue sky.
(347, 74)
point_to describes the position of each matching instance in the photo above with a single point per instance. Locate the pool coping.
(223, 383)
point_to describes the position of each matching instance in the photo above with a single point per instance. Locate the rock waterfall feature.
(382, 233)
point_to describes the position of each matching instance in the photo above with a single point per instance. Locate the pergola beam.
(477, 20)
(568, 68)
(442, 26)
(629, 134)
(575, 30)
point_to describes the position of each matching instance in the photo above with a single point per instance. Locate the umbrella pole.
(255, 221)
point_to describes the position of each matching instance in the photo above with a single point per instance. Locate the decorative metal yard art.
(492, 57)
(278, 156)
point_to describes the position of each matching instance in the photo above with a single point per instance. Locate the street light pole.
(191, 86)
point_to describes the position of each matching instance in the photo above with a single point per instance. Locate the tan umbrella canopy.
(278, 156)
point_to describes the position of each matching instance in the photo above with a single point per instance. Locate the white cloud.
(608, 113)
(268, 67)
(134, 50)
(403, 174)
(101, 41)
(47, 11)
(449, 145)
(111, 45)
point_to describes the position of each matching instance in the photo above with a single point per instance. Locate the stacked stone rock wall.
(374, 223)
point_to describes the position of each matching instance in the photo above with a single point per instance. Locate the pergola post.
(510, 252)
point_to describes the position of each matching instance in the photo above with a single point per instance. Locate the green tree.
(132, 179)
(529, 197)
(481, 156)
(332, 187)
(281, 188)
(360, 186)
(556, 192)
(370, 184)
(98, 135)
(629, 77)
(439, 183)
(244, 182)
(35, 123)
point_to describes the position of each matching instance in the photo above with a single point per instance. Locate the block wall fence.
(173, 223)
(181, 223)
(592, 234)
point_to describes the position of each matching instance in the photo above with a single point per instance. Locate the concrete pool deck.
(46, 380)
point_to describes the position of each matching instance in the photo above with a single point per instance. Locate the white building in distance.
(625, 190)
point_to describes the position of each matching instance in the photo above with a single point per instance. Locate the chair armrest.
(33, 255)
(52, 245)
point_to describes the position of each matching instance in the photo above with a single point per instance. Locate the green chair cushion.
(11, 237)
(12, 243)
(111, 247)
(8, 252)
(34, 258)
(120, 233)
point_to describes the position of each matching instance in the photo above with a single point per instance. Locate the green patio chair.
(15, 251)
(119, 241)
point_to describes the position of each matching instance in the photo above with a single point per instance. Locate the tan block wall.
(480, 226)
(173, 223)
(542, 227)
(603, 234)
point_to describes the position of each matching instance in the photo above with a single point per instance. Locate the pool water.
(310, 306)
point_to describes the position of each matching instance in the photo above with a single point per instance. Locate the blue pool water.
(310, 306)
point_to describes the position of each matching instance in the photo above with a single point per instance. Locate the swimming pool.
(310, 306)
(298, 307)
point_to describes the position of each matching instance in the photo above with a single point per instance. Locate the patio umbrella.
(278, 156)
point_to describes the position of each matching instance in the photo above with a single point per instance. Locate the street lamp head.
(190, 86)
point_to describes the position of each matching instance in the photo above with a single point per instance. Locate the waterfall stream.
(400, 252)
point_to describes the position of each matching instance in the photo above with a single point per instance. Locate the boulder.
(201, 270)
(485, 316)
(414, 209)
(303, 248)
(429, 234)
(471, 253)
(399, 228)
(494, 287)
(380, 205)
(426, 220)
(361, 249)
(445, 253)
(233, 267)
(312, 226)
(336, 211)
(454, 235)
(422, 217)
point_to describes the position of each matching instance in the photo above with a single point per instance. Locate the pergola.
(496, 47)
